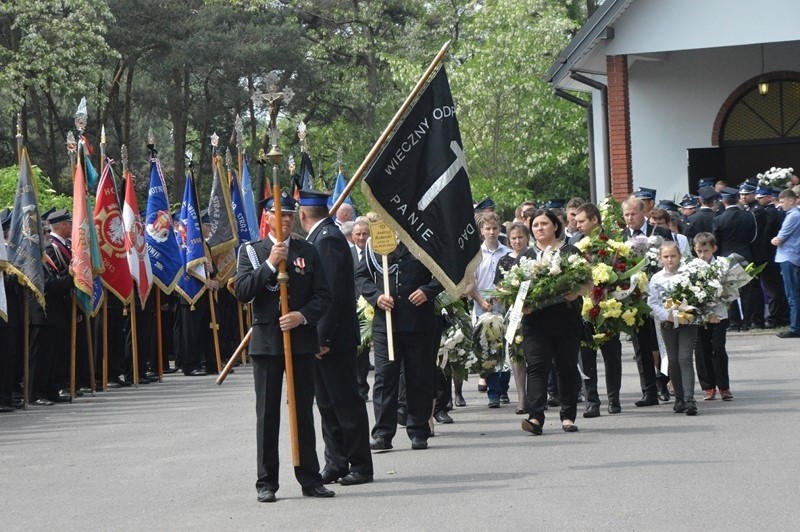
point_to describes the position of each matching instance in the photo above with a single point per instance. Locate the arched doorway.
(754, 131)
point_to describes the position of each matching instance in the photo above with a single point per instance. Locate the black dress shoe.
(691, 408)
(788, 334)
(119, 382)
(143, 380)
(354, 477)
(42, 402)
(679, 407)
(614, 408)
(380, 444)
(419, 443)
(494, 403)
(196, 373)
(552, 400)
(460, 401)
(442, 417)
(266, 495)
(6, 409)
(664, 396)
(329, 477)
(504, 399)
(319, 492)
(592, 411)
(647, 400)
(168, 370)
(529, 426)
(570, 427)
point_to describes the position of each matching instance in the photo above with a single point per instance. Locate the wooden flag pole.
(214, 329)
(232, 361)
(134, 344)
(390, 128)
(104, 376)
(386, 290)
(90, 355)
(159, 337)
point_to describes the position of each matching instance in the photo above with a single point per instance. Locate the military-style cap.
(5, 218)
(60, 215)
(646, 193)
(313, 198)
(763, 192)
(746, 188)
(729, 193)
(706, 182)
(668, 205)
(689, 202)
(47, 213)
(708, 193)
(776, 190)
(287, 203)
(487, 203)
(554, 204)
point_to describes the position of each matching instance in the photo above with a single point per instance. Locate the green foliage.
(521, 141)
(9, 178)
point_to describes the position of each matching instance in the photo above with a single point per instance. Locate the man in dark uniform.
(753, 306)
(309, 299)
(644, 341)
(771, 280)
(702, 221)
(10, 329)
(345, 425)
(412, 290)
(49, 351)
(735, 230)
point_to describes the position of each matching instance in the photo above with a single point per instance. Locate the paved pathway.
(180, 455)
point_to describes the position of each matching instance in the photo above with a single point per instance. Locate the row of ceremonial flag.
(124, 251)
(420, 189)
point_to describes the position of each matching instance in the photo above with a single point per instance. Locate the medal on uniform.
(300, 265)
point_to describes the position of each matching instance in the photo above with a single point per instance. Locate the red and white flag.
(135, 245)
(111, 238)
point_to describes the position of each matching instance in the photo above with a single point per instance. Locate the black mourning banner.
(419, 185)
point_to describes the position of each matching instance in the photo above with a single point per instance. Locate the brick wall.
(619, 126)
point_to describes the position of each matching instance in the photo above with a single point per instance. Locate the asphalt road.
(180, 455)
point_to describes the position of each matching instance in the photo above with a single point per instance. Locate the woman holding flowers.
(519, 239)
(552, 333)
(675, 318)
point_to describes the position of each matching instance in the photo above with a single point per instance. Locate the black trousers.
(752, 300)
(417, 354)
(117, 326)
(362, 370)
(711, 357)
(268, 378)
(443, 390)
(196, 341)
(644, 343)
(42, 354)
(772, 283)
(544, 350)
(612, 359)
(345, 424)
(8, 359)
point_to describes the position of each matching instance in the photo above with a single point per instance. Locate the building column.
(619, 126)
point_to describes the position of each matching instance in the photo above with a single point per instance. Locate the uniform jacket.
(701, 221)
(58, 285)
(307, 289)
(338, 328)
(407, 274)
(735, 230)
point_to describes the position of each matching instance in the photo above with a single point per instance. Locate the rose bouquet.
(456, 353)
(550, 277)
(617, 301)
(487, 342)
(775, 177)
(366, 313)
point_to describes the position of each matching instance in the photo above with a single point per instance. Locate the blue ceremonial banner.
(162, 247)
(242, 227)
(192, 283)
(25, 239)
(419, 185)
(249, 200)
(338, 188)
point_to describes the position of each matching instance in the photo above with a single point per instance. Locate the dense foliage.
(186, 68)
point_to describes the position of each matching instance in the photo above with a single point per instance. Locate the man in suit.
(771, 281)
(587, 219)
(735, 230)
(412, 290)
(702, 221)
(644, 341)
(309, 299)
(49, 351)
(360, 235)
(345, 425)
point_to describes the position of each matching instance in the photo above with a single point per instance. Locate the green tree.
(521, 141)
